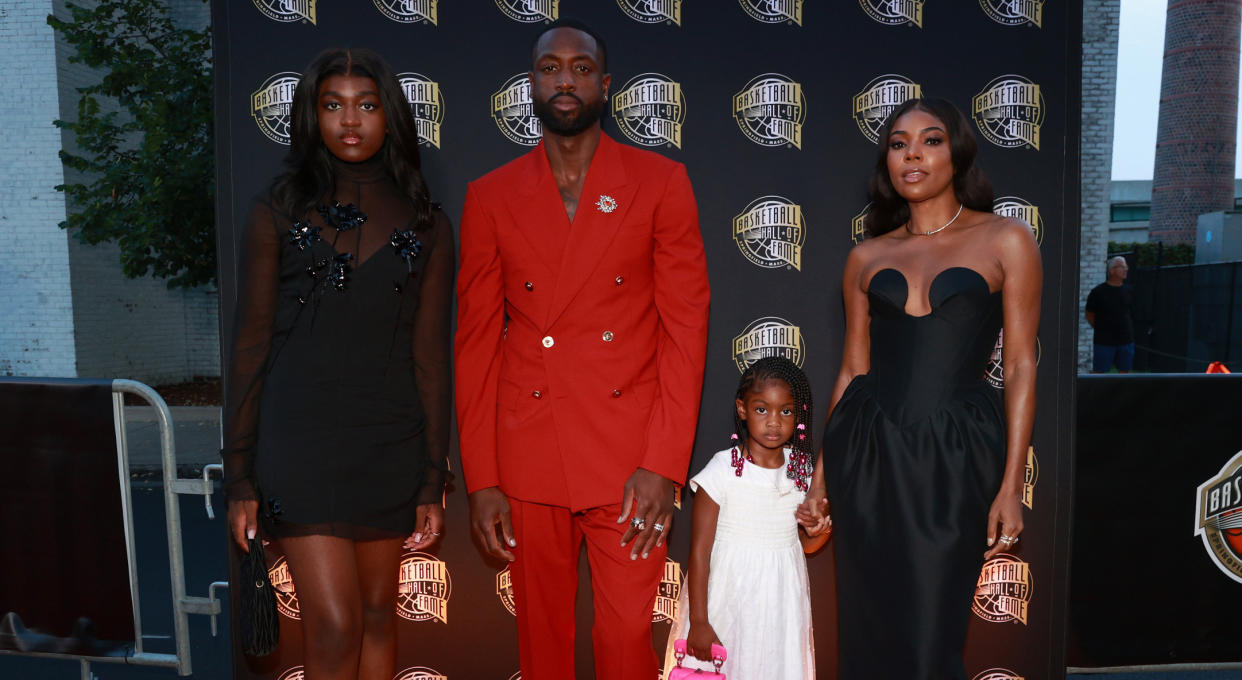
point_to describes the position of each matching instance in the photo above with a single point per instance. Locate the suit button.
(530, 286)
(537, 394)
(620, 280)
(607, 336)
(548, 341)
(616, 393)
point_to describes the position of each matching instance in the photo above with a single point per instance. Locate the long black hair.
(888, 209)
(779, 368)
(308, 178)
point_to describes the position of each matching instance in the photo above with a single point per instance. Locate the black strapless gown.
(914, 454)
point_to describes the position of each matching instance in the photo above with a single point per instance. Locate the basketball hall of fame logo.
(286, 11)
(895, 12)
(1004, 590)
(770, 232)
(1218, 517)
(530, 11)
(514, 113)
(998, 674)
(419, 673)
(1009, 112)
(652, 11)
(282, 585)
(1012, 206)
(292, 673)
(272, 105)
(423, 588)
(768, 336)
(770, 110)
(649, 110)
(858, 225)
(879, 98)
(427, 105)
(1030, 476)
(504, 590)
(665, 608)
(995, 371)
(1014, 12)
(409, 11)
(774, 11)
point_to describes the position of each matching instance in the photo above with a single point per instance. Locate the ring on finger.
(658, 527)
(638, 523)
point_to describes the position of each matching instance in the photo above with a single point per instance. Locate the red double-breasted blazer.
(580, 347)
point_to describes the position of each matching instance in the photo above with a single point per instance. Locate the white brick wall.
(36, 331)
(1099, 88)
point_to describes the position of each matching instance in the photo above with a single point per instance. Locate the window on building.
(1132, 212)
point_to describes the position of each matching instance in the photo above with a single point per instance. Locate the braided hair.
(798, 467)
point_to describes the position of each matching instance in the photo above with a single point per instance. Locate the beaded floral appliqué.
(303, 235)
(342, 217)
(407, 245)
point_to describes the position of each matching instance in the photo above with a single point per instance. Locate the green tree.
(144, 135)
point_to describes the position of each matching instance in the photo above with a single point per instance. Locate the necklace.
(937, 231)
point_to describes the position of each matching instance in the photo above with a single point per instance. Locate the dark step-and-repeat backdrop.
(774, 107)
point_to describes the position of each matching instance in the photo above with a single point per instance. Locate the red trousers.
(545, 586)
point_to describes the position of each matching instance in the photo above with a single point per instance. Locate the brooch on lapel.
(606, 203)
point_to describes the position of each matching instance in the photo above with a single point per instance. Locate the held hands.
(813, 515)
(243, 522)
(428, 525)
(650, 497)
(490, 507)
(699, 641)
(1005, 515)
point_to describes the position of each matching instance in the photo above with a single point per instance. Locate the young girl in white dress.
(747, 586)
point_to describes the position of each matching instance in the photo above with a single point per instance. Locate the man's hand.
(650, 498)
(489, 507)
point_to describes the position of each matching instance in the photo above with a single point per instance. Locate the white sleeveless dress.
(758, 598)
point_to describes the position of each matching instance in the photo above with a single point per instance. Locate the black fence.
(1187, 316)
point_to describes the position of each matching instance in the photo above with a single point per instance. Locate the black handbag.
(257, 622)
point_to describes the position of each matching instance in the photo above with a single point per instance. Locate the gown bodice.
(920, 362)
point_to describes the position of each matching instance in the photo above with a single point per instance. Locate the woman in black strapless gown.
(922, 459)
(337, 412)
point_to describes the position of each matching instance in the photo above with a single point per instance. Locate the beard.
(568, 123)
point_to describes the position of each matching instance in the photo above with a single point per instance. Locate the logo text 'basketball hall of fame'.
(282, 586)
(770, 110)
(858, 225)
(665, 608)
(1004, 590)
(774, 11)
(504, 590)
(1218, 517)
(530, 11)
(652, 11)
(409, 11)
(271, 105)
(1009, 112)
(423, 588)
(514, 113)
(427, 105)
(286, 11)
(769, 336)
(894, 12)
(1014, 12)
(879, 98)
(770, 232)
(650, 109)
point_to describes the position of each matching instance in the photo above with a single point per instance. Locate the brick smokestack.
(1196, 138)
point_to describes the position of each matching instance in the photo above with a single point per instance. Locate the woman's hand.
(243, 522)
(1004, 523)
(699, 641)
(428, 525)
(812, 514)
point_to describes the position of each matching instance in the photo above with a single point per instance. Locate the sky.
(1140, 56)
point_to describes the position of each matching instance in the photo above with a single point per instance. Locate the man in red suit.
(581, 338)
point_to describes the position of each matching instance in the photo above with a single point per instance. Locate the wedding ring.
(658, 527)
(638, 523)
(435, 533)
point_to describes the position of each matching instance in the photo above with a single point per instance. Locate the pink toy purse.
(679, 652)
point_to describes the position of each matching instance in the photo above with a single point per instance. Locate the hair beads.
(798, 467)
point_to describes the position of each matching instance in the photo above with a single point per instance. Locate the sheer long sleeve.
(432, 348)
(257, 286)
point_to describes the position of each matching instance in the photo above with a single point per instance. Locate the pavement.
(196, 437)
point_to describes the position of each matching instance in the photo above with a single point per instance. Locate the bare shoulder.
(1010, 233)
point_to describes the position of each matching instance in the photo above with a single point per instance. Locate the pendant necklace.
(933, 232)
